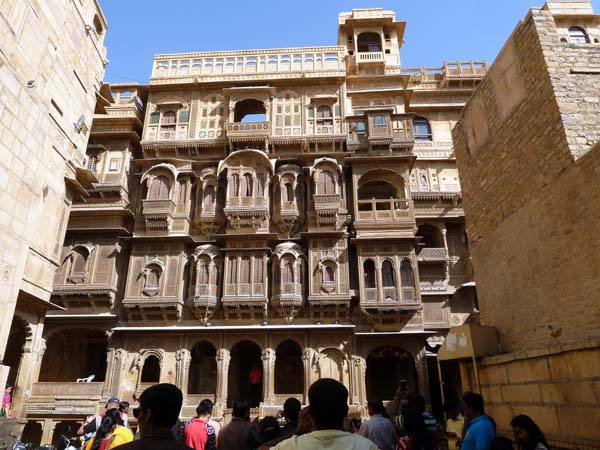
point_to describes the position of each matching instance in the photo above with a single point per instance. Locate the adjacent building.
(52, 62)
(528, 151)
(295, 210)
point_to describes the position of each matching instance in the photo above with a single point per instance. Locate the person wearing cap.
(93, 422)
(157, 413)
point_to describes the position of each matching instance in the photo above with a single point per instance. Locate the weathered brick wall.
(559, 387)
(531, 188)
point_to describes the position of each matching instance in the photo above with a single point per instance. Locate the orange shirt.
(255, 376)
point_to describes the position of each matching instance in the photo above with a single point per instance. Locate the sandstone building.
(529, 157)
(52, 62)
(296, 210)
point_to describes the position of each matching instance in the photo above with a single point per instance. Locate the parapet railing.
(233, 64)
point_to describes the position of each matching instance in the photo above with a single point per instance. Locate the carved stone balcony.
(249, 132)
(327, 208)
(288, 217)
(64, 399)
(288, 299)
(463, 71)
(158, 214)
(88, 296)
(370, 57)
(433, 285)
(247, 212)
(377, 216)
(211, 219)
(430, 254)
(245, 301)
(153, 308)
(204, 301)
(384, 305)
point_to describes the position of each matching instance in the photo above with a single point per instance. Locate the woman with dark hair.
(111, 432)
(416, 436)
(528, 434)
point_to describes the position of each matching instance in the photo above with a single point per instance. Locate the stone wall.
(559, 387)
(531, 189)
(51, 64)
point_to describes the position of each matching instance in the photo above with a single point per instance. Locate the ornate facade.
(297, 210)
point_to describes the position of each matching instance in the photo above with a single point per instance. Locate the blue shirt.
(480, 434)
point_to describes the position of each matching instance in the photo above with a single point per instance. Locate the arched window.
(246, 190)
(324, 116)
(202, 272)
(577, 35)
(98, 28)
(159, 189)
(407, 280)
(260, 185)
(181, 191)
(234, 187)
(329, 274)
(233, 270)
(245, 270)
(369, 42)
(422, 129)
(286, 193)
(209, 195)
(152, 280)
(287, 275)
(369, 268)
(387, 272)
(325, 183)
(151, 370)
(79, 260)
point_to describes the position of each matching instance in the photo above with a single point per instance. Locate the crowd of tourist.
(323, 424)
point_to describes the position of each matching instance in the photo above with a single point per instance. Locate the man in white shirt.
(379, 429)
(328, 406)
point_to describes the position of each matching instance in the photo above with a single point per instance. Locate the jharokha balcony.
(158, 214)
(64, 398)
(248, 130)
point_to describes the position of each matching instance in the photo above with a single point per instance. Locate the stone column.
(268, 359)
(447, 254)
(48, 431)
(182, 370)
(359, 390)
(223, 359)
(307, 356)
(29, 368)
(422, 375)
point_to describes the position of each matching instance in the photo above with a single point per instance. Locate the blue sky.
(437, 30)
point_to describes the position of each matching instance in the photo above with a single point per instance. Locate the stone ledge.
(542, 351)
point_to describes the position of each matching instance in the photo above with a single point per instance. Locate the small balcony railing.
(158, 207)
(326, 201)
(461, 70)
(433, 254)
(248, 129)
(375, 209)
(369, 57)
(66, 389)
(246, 202)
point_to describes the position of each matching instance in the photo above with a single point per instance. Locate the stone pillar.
(359, 390)
(48, 431)
(447, 264)
(182, 370)
(307, 356)
(268, 359)
(223, 359)
(422, 375)
(29, 368)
